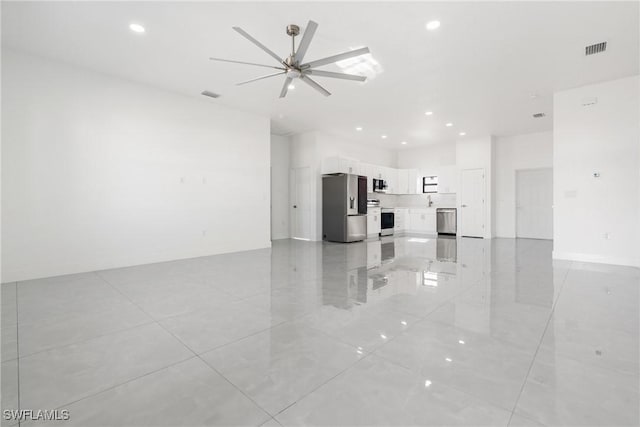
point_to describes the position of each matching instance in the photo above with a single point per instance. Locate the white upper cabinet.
(414, 182)
(377, 172)
(391, 176)
(407, 181)
(448, 179)
(399, 181)
(403, 181)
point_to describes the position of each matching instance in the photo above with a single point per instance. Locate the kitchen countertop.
(426, 207)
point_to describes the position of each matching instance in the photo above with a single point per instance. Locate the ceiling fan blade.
(314, 85)
(336, 75)
(285, 88)
(247, 63)
(257, 43)
(336, 58)
(260, 78)
(309, 32)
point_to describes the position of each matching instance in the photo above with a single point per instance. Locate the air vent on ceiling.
(539, 115)
(209, 94)
(595, 48)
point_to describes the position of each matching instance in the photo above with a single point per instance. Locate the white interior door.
(301, 203)
(534, 201)
(472, 197)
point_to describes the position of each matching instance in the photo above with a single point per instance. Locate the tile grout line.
(196, 355)
(124, 382)
(372, 353)
(87, 339)
(323, 384)
(535, 355)
(154, 371)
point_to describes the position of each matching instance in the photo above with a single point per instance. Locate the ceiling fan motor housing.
(294, 67)
(293, 30)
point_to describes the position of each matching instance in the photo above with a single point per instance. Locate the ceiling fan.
(293, 66)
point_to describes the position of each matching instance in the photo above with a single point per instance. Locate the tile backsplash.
(414, 200)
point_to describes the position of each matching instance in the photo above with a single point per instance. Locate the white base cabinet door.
(373, 222)
(400, 220)
(422, 221)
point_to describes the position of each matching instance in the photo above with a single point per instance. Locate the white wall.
(512, 153)
(98, 172)
(310, 148)
(603, 138)
(428, 159)
(330, 146)
(478, 153)
(280, 169)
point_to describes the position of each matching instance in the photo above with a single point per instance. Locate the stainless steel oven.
(387, 222)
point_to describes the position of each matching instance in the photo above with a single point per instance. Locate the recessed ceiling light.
(383, 136)
(136, 28)
(433, 25)
(292, 87)
(449, 125)
(462, 133)
(358, 128)
(404, 143)
(428, 113)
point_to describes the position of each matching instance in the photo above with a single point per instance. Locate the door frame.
(293, 196)
(515, 200)
(484, 203)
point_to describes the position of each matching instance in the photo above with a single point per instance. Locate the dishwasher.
(446, 219)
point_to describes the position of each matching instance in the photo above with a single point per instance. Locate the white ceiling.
(478, 70)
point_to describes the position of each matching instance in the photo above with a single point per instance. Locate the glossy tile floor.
(407, 331)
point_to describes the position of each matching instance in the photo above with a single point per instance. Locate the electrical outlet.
(182, 179)
(607, 235)
(204, 233)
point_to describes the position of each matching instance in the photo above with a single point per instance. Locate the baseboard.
(599, 259)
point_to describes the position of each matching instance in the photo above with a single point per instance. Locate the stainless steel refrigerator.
(344, 207)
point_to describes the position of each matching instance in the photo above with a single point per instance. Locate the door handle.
(295, 206)
(464, 206)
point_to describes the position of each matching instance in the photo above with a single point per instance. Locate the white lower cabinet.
(373, 221)
(421, 221)
(400, 220)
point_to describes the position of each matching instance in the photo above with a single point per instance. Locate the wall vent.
(595, 48)
(539, 115)
(210, 94)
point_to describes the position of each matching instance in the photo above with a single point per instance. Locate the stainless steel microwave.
(379, 186)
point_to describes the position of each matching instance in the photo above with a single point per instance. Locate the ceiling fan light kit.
(293, 67)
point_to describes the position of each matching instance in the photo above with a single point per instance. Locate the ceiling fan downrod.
(293, 30)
